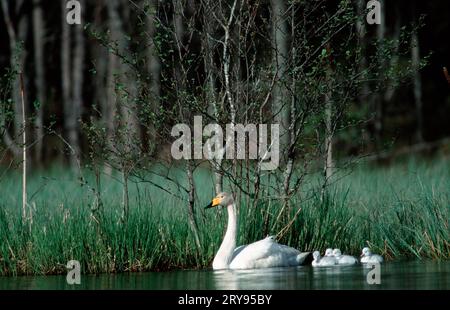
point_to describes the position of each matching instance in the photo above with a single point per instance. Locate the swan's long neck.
(225, 252)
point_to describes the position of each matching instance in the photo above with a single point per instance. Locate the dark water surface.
(394, 275)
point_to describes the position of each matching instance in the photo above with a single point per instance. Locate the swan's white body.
(346, 260)
(325, 261)
(265, 253)
(329, 252)
(367, 257)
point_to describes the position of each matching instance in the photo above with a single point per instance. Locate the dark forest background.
(71, 72)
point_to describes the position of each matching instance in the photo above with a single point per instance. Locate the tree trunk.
(125, 197)
(280, 106)
(364, 88)
(415, 55)
(390, 89)
(22, 30)
(192, 221)
(154, 65)
(24, 151)
(179, 43)
(7, 139)
(66, 80)
(127, 99)
(39, 37)
(72, 82)
(328, 169)
(129, 108)
(329, 123)
(77, 87)
(180, 75)
(211, 76)
(226, 58)
(378, 98)
(109, 107)
(17, 62)
(208, 46)
(101, 57)
(292, 117)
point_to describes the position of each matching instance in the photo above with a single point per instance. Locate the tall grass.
(401, 212)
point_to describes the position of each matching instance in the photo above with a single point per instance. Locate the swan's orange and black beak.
(214, 203)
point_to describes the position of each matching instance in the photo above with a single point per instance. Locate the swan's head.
(337, 252)
(365, 252)
(316, 255)
(329, 252)
(222, 199)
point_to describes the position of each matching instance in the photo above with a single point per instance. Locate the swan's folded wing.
(304, 258)
(237, 251)
(265, 253)
(251, 253)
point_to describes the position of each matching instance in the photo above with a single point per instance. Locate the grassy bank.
(401, 212)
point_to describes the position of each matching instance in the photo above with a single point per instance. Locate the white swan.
(329, 252)
(368, 258)
(325, 261)
(316, 259)
(344, 259)
(261, 254)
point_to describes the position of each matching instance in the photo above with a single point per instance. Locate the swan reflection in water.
(303, 277)
(397, 275)
(263, 279)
